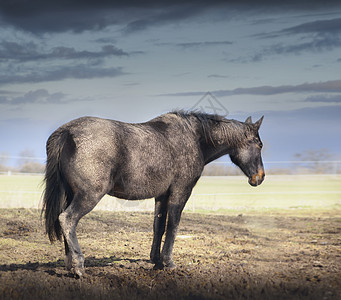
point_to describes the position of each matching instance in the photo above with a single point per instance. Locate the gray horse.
(163, 158)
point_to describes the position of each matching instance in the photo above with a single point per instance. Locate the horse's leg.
(68, 258)
(160, 216)
(81, 205)
(176, 204)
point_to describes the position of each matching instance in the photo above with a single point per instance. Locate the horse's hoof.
(77, 272)
(170, 265)
(165, 266)
(158, 266)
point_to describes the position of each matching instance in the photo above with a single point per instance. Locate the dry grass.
(251, 256)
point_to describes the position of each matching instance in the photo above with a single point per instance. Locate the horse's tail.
(57, 194)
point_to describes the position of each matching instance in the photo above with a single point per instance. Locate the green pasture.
(215, 194)
(276, 192)
(17, 191)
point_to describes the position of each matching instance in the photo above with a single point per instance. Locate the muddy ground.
(250, 256)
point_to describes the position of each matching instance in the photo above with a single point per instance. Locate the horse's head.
(248, 156)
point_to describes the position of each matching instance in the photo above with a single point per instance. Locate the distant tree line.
(27, 163)
(307, 162)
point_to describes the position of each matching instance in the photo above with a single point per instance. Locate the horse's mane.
(233, 131)
(201, 116)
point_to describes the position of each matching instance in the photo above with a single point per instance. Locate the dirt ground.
(250, 256)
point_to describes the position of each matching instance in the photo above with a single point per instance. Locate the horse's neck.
(218, 143)
(213, 149)
(211, 153)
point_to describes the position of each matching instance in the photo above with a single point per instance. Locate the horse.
(163, 158)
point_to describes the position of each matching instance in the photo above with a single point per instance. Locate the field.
(214, 194)
(281, 240)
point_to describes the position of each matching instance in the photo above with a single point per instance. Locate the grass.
(276, 192)
(20, 191)
(211, 194)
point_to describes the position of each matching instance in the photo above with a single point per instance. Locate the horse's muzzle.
(257, 179)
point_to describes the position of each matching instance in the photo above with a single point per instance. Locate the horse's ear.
(259, 122)
(248, 120)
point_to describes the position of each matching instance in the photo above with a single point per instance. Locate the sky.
(134, 60)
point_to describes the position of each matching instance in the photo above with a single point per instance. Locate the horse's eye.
(257, 142)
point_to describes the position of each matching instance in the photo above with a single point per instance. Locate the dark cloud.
(41, 16)
(315, 45)
(26, 62)
(81, 71)
(317, 28)
(315, 37)
(217, 76)
(139, 25)
(30, 51)
(131, 84)
(13, 50)
(203, 44)
(326, 87)
(71, 53)
(106, 40)
(167, 12)
(189, 45)
(332, 26)
(40, 96)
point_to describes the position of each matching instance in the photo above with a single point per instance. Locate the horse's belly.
(132, 190)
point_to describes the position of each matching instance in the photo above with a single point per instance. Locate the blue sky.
(134, 60)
